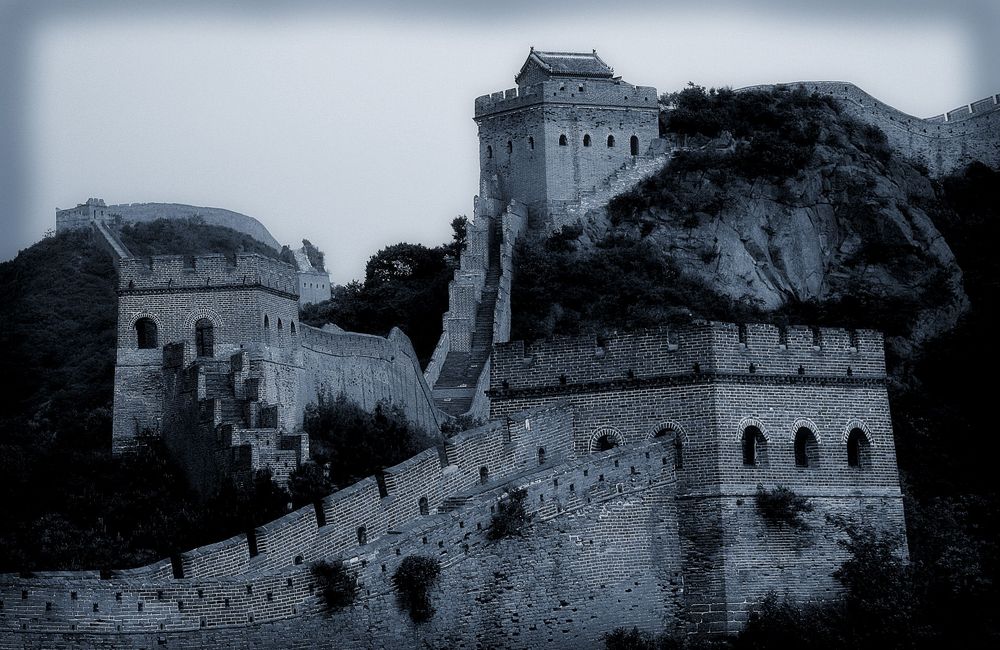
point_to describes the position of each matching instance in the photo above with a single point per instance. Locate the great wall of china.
(944, 143)
(660, 531)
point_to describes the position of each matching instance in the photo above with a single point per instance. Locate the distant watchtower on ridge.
(567, 128)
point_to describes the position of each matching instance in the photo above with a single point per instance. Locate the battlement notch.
(180, 272)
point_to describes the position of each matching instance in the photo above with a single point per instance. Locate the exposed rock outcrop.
(849, 228)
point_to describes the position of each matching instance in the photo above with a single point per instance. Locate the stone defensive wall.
(512, 222)
(700, 349)
(367, 369)
(945, 143)
(174, 273)
(604, 526)
(611, 93)
(243, 581)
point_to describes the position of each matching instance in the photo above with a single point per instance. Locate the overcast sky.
(352, 125)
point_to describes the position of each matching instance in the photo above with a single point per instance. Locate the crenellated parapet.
(582, 92)
(264, 576)
(250, 590)
(689, 353)
(205, 272)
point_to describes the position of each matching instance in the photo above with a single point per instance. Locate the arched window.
(489, 151)
(562, 140)
(531, 142)
(291, 326)
(424, 507)
(541, 455)
(362, 535)
(678, 445)
(633, 145)
(817, 337)
(510, 147)
(279, 325)
(145, 333)
(484, 475)
(606, 438)
(858, 449)
(267, 322)
(605, 442)
(806, 448)
(586, 139)
(611, 141)
(754, 447)
(204, 338)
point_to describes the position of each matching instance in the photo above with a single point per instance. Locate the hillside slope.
(780, 206)
(141, 212)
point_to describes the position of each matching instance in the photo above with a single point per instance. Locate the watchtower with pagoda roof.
(568, 126)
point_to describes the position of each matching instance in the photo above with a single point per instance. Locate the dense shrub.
(775, 135)
(621, 284)
(622, 638)
(309, 483)
(336, 583)
(460, 423)
(414, 578)
(782, 507)
(511, 518)
(59, 312)
(315, 255)
(192, 236)
(775, 624)
(71, 508)
(357, 444)
(406, 286)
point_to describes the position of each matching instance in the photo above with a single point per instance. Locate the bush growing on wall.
(413, 579)
(356, 443)
(338, 585)
(782, 507)
(460, 423)
(309, 483)
(511, 518)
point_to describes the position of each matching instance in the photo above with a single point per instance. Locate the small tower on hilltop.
(568, 126)
(83, 215)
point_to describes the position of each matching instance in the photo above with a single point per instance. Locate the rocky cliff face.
(849, 229)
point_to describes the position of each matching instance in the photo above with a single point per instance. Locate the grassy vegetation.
(192, 236)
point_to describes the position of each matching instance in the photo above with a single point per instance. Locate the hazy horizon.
(352, 127)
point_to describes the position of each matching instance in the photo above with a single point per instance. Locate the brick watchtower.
(568, 126)
(742, 406)
(209, 361)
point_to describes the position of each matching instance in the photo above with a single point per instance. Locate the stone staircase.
(111, 240)
(626, 177)
(455, 387)
(239, 421)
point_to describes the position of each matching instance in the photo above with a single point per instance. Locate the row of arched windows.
(564, 141)
(609, 438)
(754, 445)
(806, 447)
(281, 325)
(147, 334)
